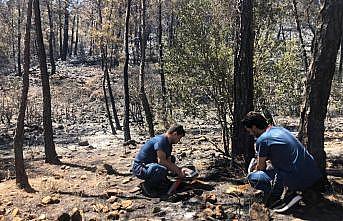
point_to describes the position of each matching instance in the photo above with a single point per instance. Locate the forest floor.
(83, 187)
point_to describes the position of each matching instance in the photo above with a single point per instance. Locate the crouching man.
(293, 166)
(154, 160)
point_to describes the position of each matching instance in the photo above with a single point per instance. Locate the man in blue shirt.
(292, 165)
(154, 159)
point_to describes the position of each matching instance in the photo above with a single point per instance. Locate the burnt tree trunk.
(301, 39)
(163, 81)
(21, 176)
(107, 75)
(51, 39)
(65, 32)
(60, 28)
(127, 135)
(144, 99)
(109, 116)
(49, 146)
(76, 35)
(319, 79)
(19, 38)
(242, 143)
(72, 36)
(340, 68)
(13, 55)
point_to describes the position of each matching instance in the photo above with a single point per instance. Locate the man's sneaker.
(287, 202)
(272, 201)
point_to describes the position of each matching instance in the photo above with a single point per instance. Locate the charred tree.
(242, 143)
(21, 176)
(144, 99)
(72, 36)
(301, 39)
(65, 32)
(19, 38)
(51, 39)
(163, 81)
(109, 116)
(49, 146)
(127, 135)
(60, 27)
(76, 35)
(319, 79)
(104, 56)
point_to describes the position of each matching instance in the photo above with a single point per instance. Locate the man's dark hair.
(254, 118)
(176, 128)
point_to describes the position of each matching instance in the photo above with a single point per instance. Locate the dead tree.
(51, 39)
(65, 32)
(127, 135)
(60, 28)
(104, 57)
(242, 143)
(144, 99)
(19, 38)
(76, 34)
(72, 36)
(319, 79)
(301, 39)
(163, 81)
(21, 177)
(49, 146)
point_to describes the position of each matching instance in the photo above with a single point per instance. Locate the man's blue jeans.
(154, 174)
(268, 181)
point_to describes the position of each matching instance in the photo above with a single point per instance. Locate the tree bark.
(76, 35)
(49, 146)
(163, 81)
(60, 27)
(19, 38)
(13, 40)
(113, 130)
(127, 135)
(319, 80)
(243, 83)
(65, 32)
(144, 99)
(72, 36)
(21, 177)
(302, 43)
(107, 75)
(51, 39)
(340, 68)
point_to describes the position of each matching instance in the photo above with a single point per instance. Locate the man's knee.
(257, 176)
(157, 170)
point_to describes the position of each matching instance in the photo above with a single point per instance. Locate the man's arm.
(261, 163)
(162, 159)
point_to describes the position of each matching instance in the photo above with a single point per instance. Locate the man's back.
(289, 157)
(148, 152)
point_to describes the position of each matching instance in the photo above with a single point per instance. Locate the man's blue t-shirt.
(289, 158)
(148, 152)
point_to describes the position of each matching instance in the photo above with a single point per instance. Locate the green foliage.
(199, 62)
(278, 76)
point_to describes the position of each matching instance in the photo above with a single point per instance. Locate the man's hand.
(181, 172)
(162, 159)
(261, 163)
